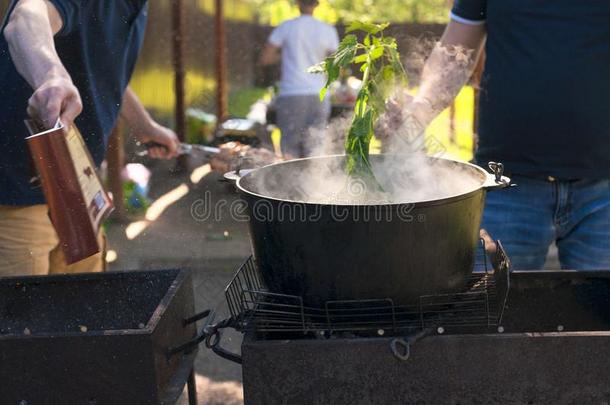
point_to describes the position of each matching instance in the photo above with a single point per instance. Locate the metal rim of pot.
(489, 182)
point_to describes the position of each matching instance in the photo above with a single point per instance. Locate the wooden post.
(222, 109)
(115, 158)
(178, 63)
(179, 75)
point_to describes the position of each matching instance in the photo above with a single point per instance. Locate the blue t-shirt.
(99, 45)
(545, 92)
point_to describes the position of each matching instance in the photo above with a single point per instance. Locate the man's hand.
(491, 248)
(146, 130)
(406, 117)
(29, 35)
(55, 98)
(270, 55)
(162, 136)
(393, 118)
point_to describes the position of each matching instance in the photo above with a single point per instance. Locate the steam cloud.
(405, 170)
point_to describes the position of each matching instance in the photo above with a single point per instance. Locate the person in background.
(544, 113)
(70, 60)
(301, 42)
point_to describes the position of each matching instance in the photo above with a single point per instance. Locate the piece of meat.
(234, 154)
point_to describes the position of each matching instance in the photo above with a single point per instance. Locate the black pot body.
(398, 252)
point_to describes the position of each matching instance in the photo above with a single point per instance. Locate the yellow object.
(29, 244)
(155, 88)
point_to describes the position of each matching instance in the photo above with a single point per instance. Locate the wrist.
(423, 110)
(55, 73)
(143, 128)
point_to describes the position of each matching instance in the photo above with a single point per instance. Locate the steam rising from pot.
(406, 173)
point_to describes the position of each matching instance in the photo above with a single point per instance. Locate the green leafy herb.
(382, 70)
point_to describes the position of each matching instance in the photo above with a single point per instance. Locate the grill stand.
(552, 347)
(548, 342)
(479, 305)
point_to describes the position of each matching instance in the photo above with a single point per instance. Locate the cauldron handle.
(213, 342)
(210, 334)
(496, 180)
(234, 175)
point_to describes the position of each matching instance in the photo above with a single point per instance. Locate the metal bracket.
(201, 336)
(210, 334)
(401, 347)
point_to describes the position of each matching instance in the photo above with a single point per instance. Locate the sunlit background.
(249, 22)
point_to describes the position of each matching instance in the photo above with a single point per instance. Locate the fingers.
(490, 244)
(171, 147)
(166, 139)
(72, 107)
(56, 98)
(394, 115)
(158, 152)
(403, 98)
(170, 142)
(44, 107)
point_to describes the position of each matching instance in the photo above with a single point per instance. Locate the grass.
(241, 100)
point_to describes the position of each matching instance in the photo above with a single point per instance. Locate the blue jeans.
(529, 217)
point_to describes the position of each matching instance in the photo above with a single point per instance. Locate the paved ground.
(212, 248)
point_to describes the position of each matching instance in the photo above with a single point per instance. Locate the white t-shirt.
(305, 41)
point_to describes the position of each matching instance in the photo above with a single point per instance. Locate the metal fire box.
(95, 338)
(551, 347)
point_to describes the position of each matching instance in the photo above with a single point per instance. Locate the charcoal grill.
(540, 337)
(106, 338)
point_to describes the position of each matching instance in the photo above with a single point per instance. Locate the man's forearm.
(447, 69)
(29, 34)
(134, 113)
(146, 130)
(270, 55)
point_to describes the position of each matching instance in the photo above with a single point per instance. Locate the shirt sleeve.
(277, 36)
(69, 11)
(333, 42)
(472, 12)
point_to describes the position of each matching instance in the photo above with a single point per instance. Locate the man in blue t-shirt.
(544, 112)
(72, 60)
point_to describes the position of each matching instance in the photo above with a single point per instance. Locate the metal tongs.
(183, 149)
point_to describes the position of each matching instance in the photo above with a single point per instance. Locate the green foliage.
(133, 200)
(392, 10)
(382, 70)
(241, 100)
(199, 126)
(333, 11)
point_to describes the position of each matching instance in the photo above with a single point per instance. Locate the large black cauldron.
(343, 251)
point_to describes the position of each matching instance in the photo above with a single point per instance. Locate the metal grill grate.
(479, 305)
